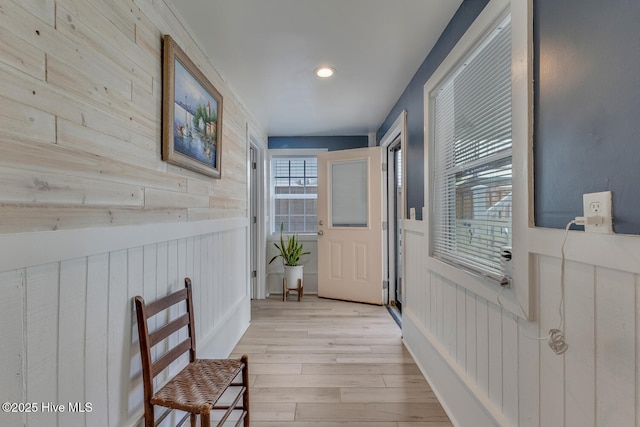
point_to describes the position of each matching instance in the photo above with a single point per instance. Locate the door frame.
(256, 141)
(397, 130)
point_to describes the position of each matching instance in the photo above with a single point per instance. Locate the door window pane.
(349, 200)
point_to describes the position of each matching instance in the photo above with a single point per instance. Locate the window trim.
(516, 299)
(284, 152)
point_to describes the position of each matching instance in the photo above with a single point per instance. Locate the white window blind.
(295, 193)
(472, 158)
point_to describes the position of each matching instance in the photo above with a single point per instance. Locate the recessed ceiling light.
(324, 72)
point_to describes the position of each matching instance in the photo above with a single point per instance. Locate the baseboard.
(462, 405)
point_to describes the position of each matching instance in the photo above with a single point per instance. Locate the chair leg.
(284, 289)
(245, 382)
(149, 420)
(192, 420)
(299, 289)
(205, 419)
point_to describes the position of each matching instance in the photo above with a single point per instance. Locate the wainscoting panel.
(69, 332)
(504, 364)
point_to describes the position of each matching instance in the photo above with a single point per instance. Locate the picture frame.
(191, 114)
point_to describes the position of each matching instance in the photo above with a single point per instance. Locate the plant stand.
(286, 290)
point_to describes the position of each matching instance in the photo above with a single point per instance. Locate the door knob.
(320, 233)
(321, 222)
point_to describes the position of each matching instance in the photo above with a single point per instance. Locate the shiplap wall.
(80, 101)
(489, 369)
(90, 215)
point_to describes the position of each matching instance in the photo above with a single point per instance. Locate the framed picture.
(191, 114)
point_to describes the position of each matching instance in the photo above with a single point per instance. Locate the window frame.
(495, 155)
(515, 299)
(284, 153)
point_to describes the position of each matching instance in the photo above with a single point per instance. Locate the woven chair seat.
(200, 383)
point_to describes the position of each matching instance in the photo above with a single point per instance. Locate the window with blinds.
(472, 158)
(295, 192)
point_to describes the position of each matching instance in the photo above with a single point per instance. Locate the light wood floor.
(325, 363)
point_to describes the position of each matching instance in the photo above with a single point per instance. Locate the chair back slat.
(168, 329)
(165, 302)
(149, 340)
(171, 355)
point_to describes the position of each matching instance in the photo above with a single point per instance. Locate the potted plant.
(290, 251)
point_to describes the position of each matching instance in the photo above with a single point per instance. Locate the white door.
(350, 225)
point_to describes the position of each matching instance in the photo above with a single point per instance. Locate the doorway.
(393, 144)
(394, 230)
(256, 232)
(253, 221)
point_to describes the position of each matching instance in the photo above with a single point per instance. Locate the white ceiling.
(267, 50)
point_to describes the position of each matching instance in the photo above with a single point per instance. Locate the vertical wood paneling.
(509, 367)
(580, 334)
(495, 354)
(161, 290)
(135, 286)
(434, 302)
(162, 269)
(514, 372)
(42, 340)
(149, 293)
(119, 337)
(71, 338)
(529, 361)
(461, 327)
(440, 307)
(97, 339)
(423, 280)
(551, 365)
(172, 267)
(471, 335)
(482, 328)
(450, 302)
(12, 349)
(615, 348)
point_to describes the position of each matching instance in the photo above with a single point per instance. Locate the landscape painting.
(192, 115)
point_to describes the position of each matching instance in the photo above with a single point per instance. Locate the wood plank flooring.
(325, 363)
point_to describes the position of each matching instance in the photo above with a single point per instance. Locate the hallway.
(328, 363)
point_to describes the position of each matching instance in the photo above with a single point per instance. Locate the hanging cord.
(555, 338)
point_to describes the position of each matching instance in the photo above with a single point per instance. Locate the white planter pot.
(292, 274)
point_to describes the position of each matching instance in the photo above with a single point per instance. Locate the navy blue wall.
(587, 108)
(412, 101)
(330, 142)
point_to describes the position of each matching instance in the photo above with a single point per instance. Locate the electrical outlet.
(598, 205)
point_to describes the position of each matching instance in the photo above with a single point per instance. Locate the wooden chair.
(197, 388)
